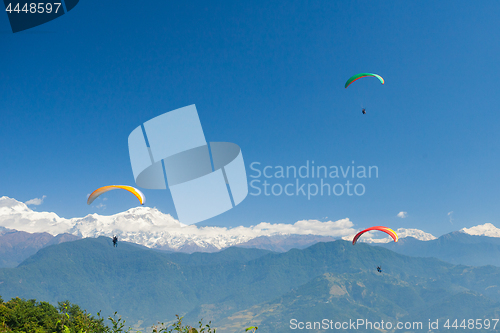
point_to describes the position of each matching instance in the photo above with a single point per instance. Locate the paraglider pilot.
(364, 111)
(379, 269)
(115, 241)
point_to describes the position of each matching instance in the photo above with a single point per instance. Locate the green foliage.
(118, 324)
(30, 316)
(177, 326)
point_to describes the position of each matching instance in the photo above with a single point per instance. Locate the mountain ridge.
(456, 247)
(145, 285)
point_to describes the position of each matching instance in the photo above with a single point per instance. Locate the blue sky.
(270, 78)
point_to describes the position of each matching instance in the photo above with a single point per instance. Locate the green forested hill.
(149, 286)
(368, 296)
(232, 254)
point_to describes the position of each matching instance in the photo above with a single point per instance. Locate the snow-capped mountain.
(379, 237)
(415, 233)
(486, 229)
(152, 228)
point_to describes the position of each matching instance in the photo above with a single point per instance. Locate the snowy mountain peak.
(152, 228)
(486, 229)
(380, 237)
(415, 233)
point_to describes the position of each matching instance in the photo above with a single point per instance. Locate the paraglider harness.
(115, 241)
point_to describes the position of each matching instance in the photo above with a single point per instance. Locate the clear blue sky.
(268, 76)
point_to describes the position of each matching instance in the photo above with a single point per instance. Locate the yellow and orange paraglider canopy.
(388, 231)
(104, 189)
